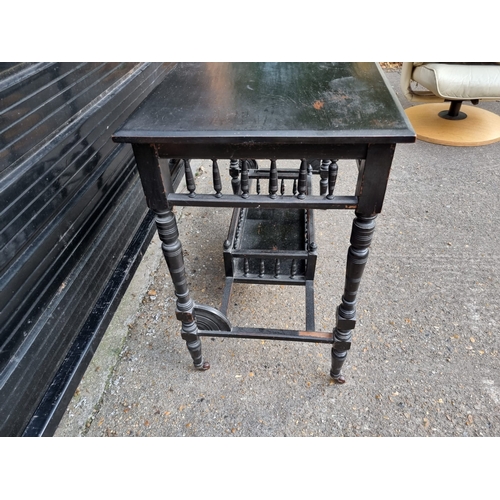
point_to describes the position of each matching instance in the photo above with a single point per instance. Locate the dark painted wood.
(158, 182)
(157, 179)
(172, 251)
(332, 178)
(276, 111)
(373, 177)
(302, 180)
(270, 103)
(245, 187)
(325, 163)
(273, 179)
(266, 149)
(310, 321)
(234, 172)
(216, 179)
(253, 200)
(357, 257)
(271, 334)
(190, 185)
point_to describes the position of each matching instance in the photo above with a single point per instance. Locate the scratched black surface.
(330, 102)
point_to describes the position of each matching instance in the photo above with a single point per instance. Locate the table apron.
(261, 151)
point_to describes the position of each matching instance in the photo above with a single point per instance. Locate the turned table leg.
(157, 184)
(357, 256)
(172, 251)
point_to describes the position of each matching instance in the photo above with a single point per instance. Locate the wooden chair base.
(479, 128)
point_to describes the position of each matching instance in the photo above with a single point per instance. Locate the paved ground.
(425, 354)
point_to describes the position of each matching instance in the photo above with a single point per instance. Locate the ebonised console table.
(256, 114)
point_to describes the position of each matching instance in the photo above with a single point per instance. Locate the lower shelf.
(270, 246)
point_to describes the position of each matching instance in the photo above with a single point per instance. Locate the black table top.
(287, 102)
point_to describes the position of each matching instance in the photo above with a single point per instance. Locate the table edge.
(266, 137)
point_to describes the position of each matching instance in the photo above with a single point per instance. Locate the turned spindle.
(332, 178)
(217, 179)
(245, 186)
(273, 179)
(323, 173)
(302, 179)
(191, 187)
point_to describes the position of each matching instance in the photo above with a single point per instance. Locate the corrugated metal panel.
(65, 191)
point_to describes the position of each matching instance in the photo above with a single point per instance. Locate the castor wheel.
(339, 379)
(203, 367)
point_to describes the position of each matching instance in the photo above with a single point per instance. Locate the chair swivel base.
(479, 128)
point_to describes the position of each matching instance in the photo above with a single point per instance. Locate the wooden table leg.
(357, 256)
(157, 184)
(172, 251)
